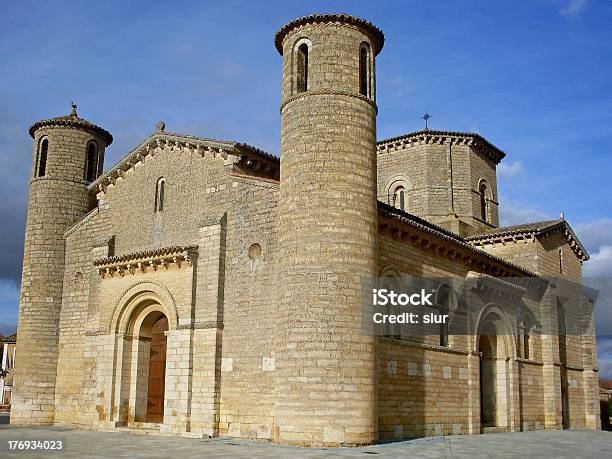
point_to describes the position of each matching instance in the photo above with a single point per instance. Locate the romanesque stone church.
(204, 287)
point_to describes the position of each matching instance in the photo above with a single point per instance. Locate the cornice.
(431, 347)
(429, 136)
(328, 92)
(503, 236)
(239, 154)
(72, 121)
(143, 261)
(375, 34)
(407, 227)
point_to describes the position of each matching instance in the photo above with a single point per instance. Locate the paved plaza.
(84, 444)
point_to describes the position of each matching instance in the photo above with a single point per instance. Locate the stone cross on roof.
(426, 116)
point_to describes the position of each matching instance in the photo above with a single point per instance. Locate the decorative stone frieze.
(142, 261)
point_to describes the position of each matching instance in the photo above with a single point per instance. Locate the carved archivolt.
(139, 296)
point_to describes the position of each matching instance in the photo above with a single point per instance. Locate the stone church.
(204, 288)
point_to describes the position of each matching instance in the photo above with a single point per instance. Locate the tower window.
(91, 164)
(399, 198)
(364, 61)
(483, 201)
(159, 194)
(302, 68)
(560, 261)
(43, 149)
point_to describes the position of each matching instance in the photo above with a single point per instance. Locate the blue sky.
(534, 77)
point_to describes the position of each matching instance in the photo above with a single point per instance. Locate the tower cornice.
(443, 137)
(377, 36)
(72, 121)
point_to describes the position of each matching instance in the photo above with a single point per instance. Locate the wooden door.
(157, 371)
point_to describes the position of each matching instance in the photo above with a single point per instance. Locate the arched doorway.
(494, 373)
(157, 369)
(142, 379)
(488, 372)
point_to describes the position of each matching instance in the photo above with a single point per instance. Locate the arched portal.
(156, 367)
(488, 371)
(494, 371)
(143, 370)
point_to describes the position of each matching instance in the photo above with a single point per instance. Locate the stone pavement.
(85, 444)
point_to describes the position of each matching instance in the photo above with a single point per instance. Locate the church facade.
(202, 287)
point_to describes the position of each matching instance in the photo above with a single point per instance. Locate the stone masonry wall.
(57, 200)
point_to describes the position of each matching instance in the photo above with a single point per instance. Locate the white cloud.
(574, 8)
(600, 264)
(509, 169)
(595, 233)
(511, 215)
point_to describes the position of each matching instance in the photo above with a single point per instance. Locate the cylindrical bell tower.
(68, 154)
(325, 386)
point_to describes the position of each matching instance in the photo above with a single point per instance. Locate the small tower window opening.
(560, 261)
(302, 68)
(43, 150)
(91, 165)
(364, 74)
(483, 201)
(399, 198)
(526, 344)
(160, 195)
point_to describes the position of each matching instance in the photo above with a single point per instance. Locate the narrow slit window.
(160, 195)
(483, 201)
(42, 158)
(91, 166)
(526, 344)
(302, 68)
(364, 58)
(560, 261)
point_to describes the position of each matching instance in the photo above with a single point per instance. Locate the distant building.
(7, 347)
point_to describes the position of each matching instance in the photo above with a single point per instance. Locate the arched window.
(43, 149)
(364, 74)
(159, 195)
(302, 68)
(483, 201)
(91, 163)
(399, 198)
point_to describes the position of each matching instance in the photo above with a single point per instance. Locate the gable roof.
(535, 229)
(247, 156)
(436, 136)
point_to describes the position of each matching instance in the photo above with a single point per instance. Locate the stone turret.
(328, 230)
(68, 154)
